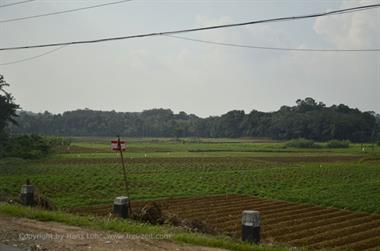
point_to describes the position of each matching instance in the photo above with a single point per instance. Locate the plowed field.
(282, 222)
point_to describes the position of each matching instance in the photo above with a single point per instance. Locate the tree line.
(306, 119)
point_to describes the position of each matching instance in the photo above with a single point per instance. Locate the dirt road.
(34, 235)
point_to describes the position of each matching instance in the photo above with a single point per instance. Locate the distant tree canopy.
(307, 119)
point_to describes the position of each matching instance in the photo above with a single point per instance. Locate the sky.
(204, 79)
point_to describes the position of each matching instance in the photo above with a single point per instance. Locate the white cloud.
(340, 77)
(354, 30)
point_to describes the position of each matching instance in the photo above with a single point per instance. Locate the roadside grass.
(178, 235)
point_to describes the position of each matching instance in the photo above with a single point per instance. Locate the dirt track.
(34, 235)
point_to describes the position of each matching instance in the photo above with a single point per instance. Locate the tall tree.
(7, 112)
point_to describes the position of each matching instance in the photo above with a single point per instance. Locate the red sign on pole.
(118, 145)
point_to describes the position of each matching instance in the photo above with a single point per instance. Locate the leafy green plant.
(71, 183)
(338, 144)
(301, 143)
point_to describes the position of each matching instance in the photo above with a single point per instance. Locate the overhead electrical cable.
(16, 3)
(61, 12)
(33, 57)
(268, 48)
(281, 19)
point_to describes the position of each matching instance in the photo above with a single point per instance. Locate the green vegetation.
(302, 143)
(307, 119)
(27, 147)
(338, 144)
(24, 146)
(33, 146)
(167, 148)
(7, 114)
(133, 227)
(85, 172)
(323, 176)
(307, 143)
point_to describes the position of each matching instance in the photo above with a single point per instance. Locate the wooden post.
(124, 172)
(123, 164)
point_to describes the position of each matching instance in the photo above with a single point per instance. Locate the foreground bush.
(302, 143)
(338, 144)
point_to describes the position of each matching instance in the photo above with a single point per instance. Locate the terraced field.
(282, 222)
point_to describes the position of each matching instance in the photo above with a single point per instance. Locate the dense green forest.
(307, 119)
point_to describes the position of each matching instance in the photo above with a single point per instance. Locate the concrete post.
(251, 226)
(120, 207)
(27, 195)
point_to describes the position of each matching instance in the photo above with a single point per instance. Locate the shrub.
(338, 144)
(27, 147)
(302, 143)
(58, 141)
(3, 142)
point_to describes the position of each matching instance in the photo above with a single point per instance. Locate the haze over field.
(138, 74)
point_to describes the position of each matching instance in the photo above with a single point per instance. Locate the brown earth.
(29, 234)
(282, 222)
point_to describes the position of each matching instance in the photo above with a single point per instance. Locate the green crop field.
(89, 173)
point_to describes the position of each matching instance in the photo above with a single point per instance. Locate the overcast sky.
(139, 74)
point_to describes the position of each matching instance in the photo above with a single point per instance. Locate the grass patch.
(338, 144)
(302, 143)
(133, 227)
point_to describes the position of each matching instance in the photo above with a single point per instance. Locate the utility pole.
(123, 164)
(118, 145)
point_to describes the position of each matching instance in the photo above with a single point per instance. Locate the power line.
(61, 12)
(33, 57)
(269, 48)
(12, 4)
(281, 19)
